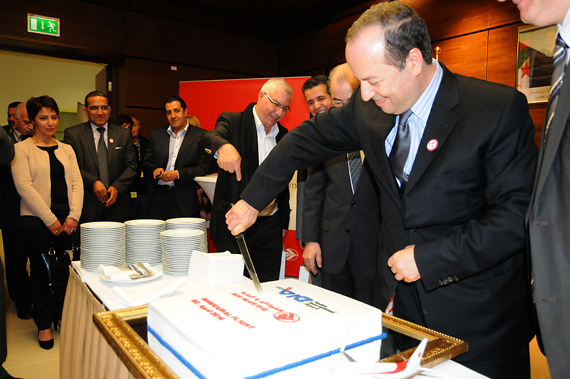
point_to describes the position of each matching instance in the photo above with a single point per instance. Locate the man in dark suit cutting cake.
(454, 160)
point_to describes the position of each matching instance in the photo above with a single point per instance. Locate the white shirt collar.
(183, 131)
(95, 127)
(260, 127)
(564, 29)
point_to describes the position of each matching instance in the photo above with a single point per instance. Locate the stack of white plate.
(143, 241)
(189, 223)
(177, 247)
(102, 243)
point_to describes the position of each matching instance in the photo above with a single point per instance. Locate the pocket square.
(118, 147)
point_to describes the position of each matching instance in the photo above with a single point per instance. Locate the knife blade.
(248, 262)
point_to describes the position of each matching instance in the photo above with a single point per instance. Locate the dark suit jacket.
(10, 133)
(239, 130)
(463, 207)
(548, 219)
(339, 219)
(9, 197)
(190, 163)
(141, 183)
(122, 167)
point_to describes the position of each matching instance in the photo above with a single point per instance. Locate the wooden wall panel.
(178, 42)
(538, 112)
(446, 20)
(450, 18)
(337, 39)
(150, 119)
(91, 28)
(502, 13)
(305, 52)
(146, 83)
(466, 55)
(503, 55)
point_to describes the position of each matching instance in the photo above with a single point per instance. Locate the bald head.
(341, 84)
(23, 124)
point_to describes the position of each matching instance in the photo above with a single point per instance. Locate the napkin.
(215, 269)
(142, 294)
(115, 274)
(123, 273)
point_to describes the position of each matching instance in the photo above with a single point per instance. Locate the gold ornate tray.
(125, 331)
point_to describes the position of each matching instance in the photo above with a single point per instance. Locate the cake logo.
(287, 317)
(290, 294)
(291, 254)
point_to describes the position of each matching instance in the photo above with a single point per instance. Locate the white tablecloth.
(104, 294)
(104, 290)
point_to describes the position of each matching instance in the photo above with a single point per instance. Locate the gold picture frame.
(124, 330)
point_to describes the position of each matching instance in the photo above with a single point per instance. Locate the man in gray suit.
(108, 166)
(340, 214)
(548, 215)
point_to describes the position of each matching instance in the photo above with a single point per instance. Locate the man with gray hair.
(24, 127)
(240, 142)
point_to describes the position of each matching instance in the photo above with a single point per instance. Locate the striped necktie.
(354, 167)
(558, 67)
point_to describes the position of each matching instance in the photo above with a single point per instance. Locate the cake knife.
(248, 263)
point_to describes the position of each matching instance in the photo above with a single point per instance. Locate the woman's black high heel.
(47, 345)
(56, 324)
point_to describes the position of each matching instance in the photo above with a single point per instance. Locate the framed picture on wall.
(534, 61)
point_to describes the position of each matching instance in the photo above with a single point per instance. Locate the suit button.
(441, 282)
(353, 204)
(347, 230)
(455, 278)
(413, 230)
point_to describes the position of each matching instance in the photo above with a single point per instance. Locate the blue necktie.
(558, 67)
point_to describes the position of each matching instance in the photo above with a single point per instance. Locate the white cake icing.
(235, 332)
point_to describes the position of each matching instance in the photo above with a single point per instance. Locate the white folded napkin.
(115, 274)
(142, 294)
(215, 269)
(123, 273)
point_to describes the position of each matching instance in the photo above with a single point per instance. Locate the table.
(85, 353)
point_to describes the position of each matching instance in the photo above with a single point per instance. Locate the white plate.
(145, 222)
(102, 225)
(134, 281)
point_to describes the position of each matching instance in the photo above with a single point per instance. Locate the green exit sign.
(43, 25)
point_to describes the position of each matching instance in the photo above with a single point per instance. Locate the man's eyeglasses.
(286, 109)
(339, 103)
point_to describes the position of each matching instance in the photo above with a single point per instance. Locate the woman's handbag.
(55, 269)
